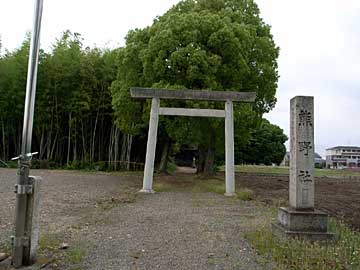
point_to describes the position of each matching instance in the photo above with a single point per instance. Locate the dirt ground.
(339, 197)
(108, 225)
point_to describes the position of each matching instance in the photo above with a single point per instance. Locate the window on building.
(352, 164)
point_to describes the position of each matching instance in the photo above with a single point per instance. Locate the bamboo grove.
(73, 123)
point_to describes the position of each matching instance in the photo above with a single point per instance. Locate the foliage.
(207, 44)
(13, 67)
(73, 114)
(171, 167)
(266, 145)
(303, 255)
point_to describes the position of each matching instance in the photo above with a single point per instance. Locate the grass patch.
(5, 247)
(282, 170)
(262, 169)
(245, 194)
(75, 255)
(48, 242)
(162, 187)
(126, 173)
(303, 255)
(336, 173)
(218, 186)
(50, 254)
(209, 185)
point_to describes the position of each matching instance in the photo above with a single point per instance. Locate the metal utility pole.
(27, 187)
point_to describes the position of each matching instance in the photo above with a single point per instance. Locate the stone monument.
(301, 219)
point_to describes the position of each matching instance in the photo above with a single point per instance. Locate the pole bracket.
(26, 156)
(23, 189)
(20, 241)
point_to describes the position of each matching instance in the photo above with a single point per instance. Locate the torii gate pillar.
(151, 146)
(229, 149)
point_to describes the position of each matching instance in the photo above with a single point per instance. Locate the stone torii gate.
(202, 95)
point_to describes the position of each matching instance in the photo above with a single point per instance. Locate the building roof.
(344, 147)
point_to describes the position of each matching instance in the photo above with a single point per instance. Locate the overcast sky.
(319, 44)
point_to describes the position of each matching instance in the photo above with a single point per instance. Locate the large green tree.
(266, 145)
(220, 45)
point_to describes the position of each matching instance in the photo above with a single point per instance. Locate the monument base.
(146, 191)
(308, 225)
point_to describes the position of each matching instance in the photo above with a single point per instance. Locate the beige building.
(343, 157)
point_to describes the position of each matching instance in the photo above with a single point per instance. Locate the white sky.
(319, 42)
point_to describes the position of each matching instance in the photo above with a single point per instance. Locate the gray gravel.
(98, 214)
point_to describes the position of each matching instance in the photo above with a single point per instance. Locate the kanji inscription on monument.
(305, 147)
(302, 153)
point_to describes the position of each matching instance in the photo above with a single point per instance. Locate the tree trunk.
(75, 142)
(53, 146)
(19, 140)
(111, 146)
(69, 140)
(116, 151)
(93, 138)
(128, 150)
(210, 156)
(201, 159)
(3, 140)
(83, 142)
(48, 144)
(100, 139)
(164, 156)
(42, 147)
(123, 147)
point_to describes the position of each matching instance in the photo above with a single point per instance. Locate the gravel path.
(103, 218)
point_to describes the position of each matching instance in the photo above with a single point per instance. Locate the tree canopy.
(266, 146)
(220, 45)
